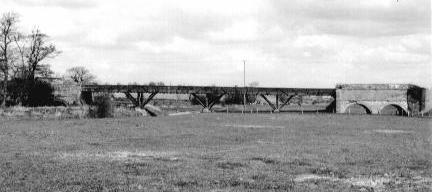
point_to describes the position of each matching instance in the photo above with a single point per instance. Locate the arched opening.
(357, 109)
(393, 109)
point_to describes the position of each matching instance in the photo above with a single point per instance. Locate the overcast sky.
(286, 43)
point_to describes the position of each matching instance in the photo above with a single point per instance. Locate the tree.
(254, 84)
(80, 75)
(22, 61)
(7, 30)
(33, 50)
(160, 83)
(39, 49)
(18, 71)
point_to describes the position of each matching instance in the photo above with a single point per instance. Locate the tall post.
(244, 85)
(277, 102)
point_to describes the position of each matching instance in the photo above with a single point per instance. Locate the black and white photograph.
(215, 96)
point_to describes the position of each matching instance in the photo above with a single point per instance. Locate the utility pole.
(244, 85)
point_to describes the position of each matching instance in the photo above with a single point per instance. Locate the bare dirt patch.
(310, 177)
(180, 113)
(376, 183)
(255, 126)
(391, 131)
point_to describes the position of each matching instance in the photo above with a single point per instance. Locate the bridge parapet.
(203, 89)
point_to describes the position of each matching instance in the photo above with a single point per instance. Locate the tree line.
(22, 62)
(24, 69)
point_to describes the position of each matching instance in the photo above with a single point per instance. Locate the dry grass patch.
(391, 131)
(122, 156)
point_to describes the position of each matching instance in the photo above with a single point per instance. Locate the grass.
(205, 152)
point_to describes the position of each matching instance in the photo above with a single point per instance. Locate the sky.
(284, 43)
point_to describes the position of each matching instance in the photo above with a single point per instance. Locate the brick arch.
(401, 110)
(368, 110)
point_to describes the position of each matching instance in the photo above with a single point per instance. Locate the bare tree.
(80, 75)
(20, 67)
(160, 83)
(39, 49)
(7, 31)
(254, 84)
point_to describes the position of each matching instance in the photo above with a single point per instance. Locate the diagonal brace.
(268, 101)
(145, 102)
(131, 98)
(214, 101)
(286, 101)
(200, 100)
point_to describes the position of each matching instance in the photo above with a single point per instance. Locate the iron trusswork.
(140, 101)
(374, 98)
(207, 103)
(197, 91)
(276, 107)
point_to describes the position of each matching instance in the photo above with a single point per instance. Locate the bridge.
(408, 99)
(201, 93)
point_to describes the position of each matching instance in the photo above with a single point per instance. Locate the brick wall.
(67, 91)
(428, 102)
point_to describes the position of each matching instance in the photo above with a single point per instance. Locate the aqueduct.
(374, 98)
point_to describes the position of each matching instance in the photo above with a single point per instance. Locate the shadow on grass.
(265, 160)
(230, 165)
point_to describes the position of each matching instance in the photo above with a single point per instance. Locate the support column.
(277, 104)
(140, 98)
(86, 97)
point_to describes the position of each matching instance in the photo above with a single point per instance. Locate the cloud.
(296, 43)
(66, 4)
(361, 18)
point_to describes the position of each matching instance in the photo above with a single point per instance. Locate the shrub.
(32, 93)
(103, 107)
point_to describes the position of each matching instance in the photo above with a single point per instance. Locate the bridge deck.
(204, 89)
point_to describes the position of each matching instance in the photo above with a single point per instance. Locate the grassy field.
(218, 152)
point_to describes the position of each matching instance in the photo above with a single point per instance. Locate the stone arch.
(393, 109)
(347, 109)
